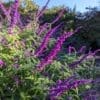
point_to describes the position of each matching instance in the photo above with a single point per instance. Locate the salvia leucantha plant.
(34, 67)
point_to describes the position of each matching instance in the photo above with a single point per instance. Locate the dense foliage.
(36, 64)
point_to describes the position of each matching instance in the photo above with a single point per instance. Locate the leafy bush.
(32, 67)
(91, 27)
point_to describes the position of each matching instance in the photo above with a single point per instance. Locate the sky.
(80, 4)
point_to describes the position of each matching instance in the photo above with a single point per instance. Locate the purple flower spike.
(20, 24)
(1, 63)
(16, 65)
(40, 13)
(82, 49)
(71, 49)
(91, 95)
(75, 63)
(95, 52)
(42, 28)
(46, 40)
(59, 16)
(5, 11)
(49, 58)
(66, 85)
(14, 13)
(17, 80)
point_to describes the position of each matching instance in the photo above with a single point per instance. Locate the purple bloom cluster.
(45, 26)
(49, 58)
(75, 63)
(46, 40)
(17, 80)
(1, 63)
(5, 11)
(91, 54)
(95, 52)
(42, 28)
(14, 15)
(20, 24)
(82, 49)
(65, 85)
(71, 49)
(40, 13)
(91, 95)
(59, 16)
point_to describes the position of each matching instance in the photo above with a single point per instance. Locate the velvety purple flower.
(95, 52)
(75, 63)
(90, 54)
(59, 16)
(17, 80)
(49, 58)
(3, 8)
(77, 30)
(15, 12)
(82, 49)
(5, 11)
(16, 65)
(90, 98)
(91, 95)
(68, 80)
(14, 15)
(3, 41)
(40, 13)
(42, 28)
(58, 89)
(45, 41)
(1, 63)
(71, 49)
(20, 24)
(9, 10)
